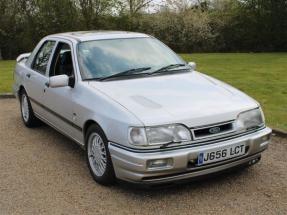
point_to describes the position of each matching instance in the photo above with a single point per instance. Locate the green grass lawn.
(6, 75)
(262, 76)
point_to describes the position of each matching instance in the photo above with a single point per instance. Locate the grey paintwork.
(192, 99)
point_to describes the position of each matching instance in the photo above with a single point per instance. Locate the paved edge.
(276, 131)
(6, 95)
(279, 133)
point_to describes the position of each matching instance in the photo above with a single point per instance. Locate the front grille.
(212, 130)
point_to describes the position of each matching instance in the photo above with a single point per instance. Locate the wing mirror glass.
(192, 65)
(58, 81)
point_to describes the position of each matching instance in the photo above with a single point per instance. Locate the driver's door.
(59, 101)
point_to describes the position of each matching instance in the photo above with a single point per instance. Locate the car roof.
(98, 35)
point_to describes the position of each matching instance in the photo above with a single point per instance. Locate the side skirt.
(59, 130)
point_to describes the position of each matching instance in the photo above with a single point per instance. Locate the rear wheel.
(29, 119)
(98, 156)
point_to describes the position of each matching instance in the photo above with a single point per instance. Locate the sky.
(154, 5)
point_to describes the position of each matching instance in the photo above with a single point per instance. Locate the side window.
(42, 57)
(62, 63)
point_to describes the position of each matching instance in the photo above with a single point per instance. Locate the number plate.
(219, 154)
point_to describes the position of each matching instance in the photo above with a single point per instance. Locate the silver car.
(141, 113)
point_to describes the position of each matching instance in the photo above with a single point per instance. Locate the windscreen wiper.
(126, 73)
(168, 143)
(168, 68)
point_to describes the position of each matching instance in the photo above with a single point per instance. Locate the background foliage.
(185, 25)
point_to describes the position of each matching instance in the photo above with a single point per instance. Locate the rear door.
(36, 75)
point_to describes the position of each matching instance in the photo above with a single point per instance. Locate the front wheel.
(98, 156)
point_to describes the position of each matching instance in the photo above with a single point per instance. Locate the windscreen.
(103, 58)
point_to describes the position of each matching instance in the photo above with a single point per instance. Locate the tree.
(183, 5)
(9, 26)
(134, 6)
(91, 10)
(185, 25)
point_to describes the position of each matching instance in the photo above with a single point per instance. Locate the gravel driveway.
(43, 172)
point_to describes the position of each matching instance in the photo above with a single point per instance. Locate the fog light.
(160, 163)
(265, 138)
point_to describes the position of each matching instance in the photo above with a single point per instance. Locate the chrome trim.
(211, 126)
(215, 137)
(67, 121)
(206, 171)
(82, 145)
(227, 135)
(190, 144)
(132, 166)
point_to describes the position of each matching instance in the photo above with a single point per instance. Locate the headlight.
(158, 135)
(250, 119)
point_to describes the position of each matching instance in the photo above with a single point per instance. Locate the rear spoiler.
(22, 57)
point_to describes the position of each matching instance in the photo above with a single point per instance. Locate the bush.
(208, 26)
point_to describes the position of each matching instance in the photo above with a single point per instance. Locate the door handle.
(46, 86)
(28, 75)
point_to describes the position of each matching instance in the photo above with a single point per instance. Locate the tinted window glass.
(42, 57)
(101, 58)
(62, 61)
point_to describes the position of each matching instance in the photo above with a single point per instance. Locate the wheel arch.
(21, 88)
(87, 124)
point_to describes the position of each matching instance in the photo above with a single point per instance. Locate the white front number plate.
(219, 154)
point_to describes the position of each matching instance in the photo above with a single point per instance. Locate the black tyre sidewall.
(32, 120)
(108, 178)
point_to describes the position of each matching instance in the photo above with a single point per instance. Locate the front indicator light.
(165, 163)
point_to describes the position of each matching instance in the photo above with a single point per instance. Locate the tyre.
(98, 156)
(28, 117)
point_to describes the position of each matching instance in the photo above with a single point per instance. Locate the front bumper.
(132, 166)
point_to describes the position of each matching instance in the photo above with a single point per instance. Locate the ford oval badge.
(214, 130)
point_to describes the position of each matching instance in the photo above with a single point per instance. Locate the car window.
(62, 63)
(42, 58)
(102, 58)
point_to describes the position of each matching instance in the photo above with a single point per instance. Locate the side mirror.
(58, 81)
(192, 65)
